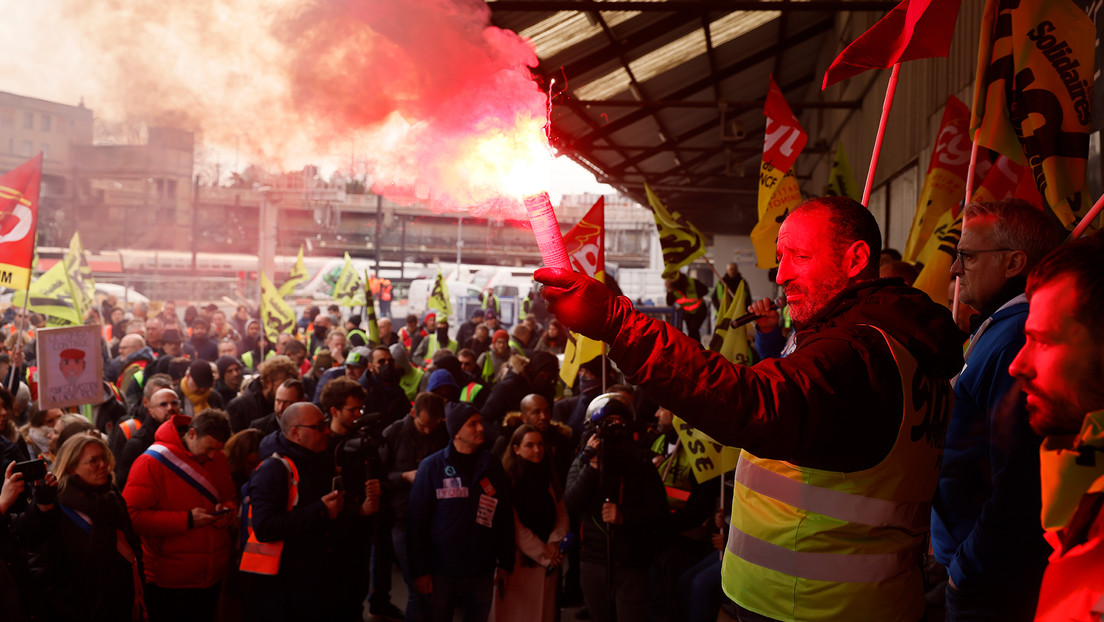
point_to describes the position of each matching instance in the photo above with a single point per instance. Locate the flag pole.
(965, 201)
(264, 324)
(19, 339)
(1087, 220)
(891, 88)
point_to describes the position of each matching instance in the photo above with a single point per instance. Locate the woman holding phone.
(89, 568)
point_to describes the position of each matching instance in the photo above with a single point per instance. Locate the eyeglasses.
(318, 427)
(94, 462)
(962, 256)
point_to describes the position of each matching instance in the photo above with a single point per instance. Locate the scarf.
(197, 398)
(536, 509)
(1073, 481)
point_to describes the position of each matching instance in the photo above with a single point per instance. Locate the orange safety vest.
(264, 557)
(129, 427)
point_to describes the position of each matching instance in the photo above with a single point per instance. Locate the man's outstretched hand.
(583, 304)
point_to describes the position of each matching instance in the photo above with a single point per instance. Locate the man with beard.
(257, 397)
(289, 392)
(1061, 365)
(841, 437)
(536, 375)
(201, 346)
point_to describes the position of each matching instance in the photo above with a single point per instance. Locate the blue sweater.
(985, 516)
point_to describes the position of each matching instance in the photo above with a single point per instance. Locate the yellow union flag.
(80, 275)
(51, 294)
(439, 297)
(347, 290)
(841, 181)
(708, 458)
(1033, 95)
(296, 275)
(764, 235)
(276, 316)
(681, 241)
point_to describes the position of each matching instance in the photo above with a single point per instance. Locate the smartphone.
(338, 483)
(220, 512)
(32, 470)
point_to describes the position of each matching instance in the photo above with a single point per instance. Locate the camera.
(358, 456)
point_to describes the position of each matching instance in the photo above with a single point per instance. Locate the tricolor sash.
(187, 472)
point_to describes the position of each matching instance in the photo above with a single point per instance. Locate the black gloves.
(583, 304)
(44, 494)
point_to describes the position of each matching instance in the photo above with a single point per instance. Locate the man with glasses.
(297, 525)
(163, 404)
(985, 516)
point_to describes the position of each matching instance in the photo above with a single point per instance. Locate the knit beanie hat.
(456, 415)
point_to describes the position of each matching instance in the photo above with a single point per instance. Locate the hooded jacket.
(159, 501)
(834, 403)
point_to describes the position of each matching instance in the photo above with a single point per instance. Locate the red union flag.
(585, 245)
(914, 29)
(783, 140)
(18, 215)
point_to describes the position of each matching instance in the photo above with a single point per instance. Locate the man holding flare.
(842, 437)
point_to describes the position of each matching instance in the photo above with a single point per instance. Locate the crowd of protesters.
(224, 476)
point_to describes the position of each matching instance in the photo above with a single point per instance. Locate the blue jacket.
(444, 535)
(985, 516)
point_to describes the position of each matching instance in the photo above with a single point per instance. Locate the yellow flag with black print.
(347, 290)
(276, 315)
(80, 276)
(764, 236)
(296, 275)
(52, 295)
(681, 241)
(841, 181)
(439, 298)
(708, 458)
(1033, 95)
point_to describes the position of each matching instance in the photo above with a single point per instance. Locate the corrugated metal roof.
(670, 92)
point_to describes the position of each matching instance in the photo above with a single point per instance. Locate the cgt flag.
(681, 241)
(764, 235)
(945, 181)
(1033, 95)
(914, 29)
(19, 191)
(276, 316)
(296, 275)
(841, 181)
(439, 297)
(783, 140)
(585, 244)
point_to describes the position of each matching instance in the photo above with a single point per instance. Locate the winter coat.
(444, 517)
(403, 449)
(160, 501)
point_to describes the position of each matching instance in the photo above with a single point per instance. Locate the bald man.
(316, 533)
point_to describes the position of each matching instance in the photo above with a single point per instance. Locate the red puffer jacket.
(159, 501)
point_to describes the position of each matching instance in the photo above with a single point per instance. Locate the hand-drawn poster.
(70, 366)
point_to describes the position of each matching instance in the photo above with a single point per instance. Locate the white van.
(463, 296)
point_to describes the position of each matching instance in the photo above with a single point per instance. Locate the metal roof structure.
(671, 92)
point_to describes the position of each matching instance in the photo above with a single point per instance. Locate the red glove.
(582, 303)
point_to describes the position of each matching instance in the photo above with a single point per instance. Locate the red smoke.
(434, 101)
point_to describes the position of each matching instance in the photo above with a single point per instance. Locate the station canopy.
(671, 92)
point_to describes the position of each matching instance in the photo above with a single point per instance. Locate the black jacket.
(251, 404)
(403, 449)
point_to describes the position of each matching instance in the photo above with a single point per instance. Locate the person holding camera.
(621, 501)
(353, 443)
(295, 523)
